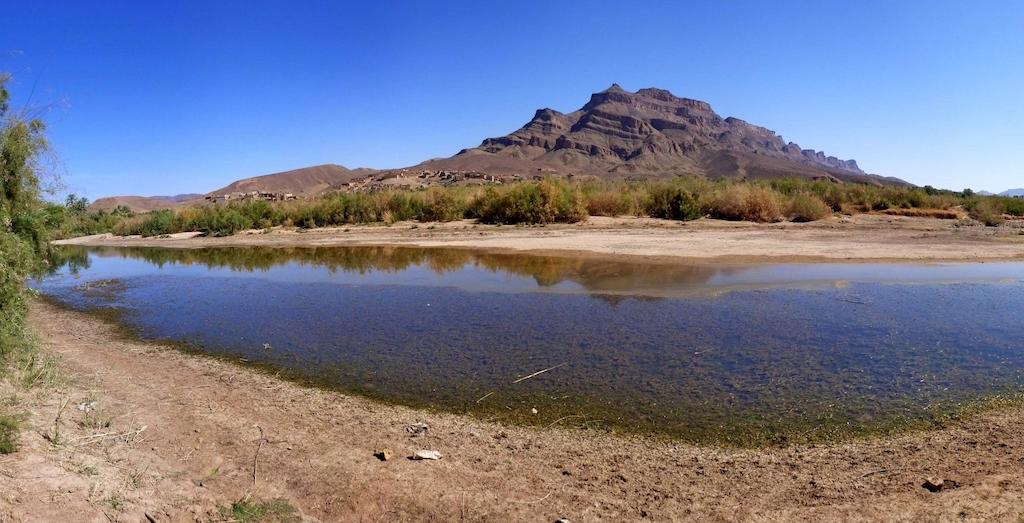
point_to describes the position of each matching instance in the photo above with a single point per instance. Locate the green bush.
(547, 201)
(806, 207)
(8, 434)
(1014, 206)
(672, 203)
(987, 211)
(23, 222)
(441, 206)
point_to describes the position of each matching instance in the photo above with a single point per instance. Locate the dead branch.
(256, 458)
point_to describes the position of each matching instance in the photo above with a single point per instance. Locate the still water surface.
(740, 353)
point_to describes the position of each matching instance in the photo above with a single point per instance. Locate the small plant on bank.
(9, 428)
(249, 510)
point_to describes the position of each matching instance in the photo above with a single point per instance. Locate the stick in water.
(538, 373)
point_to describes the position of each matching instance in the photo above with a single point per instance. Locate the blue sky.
(186, 97)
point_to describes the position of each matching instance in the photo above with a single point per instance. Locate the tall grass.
(560, 201)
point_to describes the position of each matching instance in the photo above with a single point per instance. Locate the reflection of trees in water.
(74, 259)
(594, 274)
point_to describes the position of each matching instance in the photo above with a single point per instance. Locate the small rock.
(562, 520)
(417, 429)
(426, 454)
(382, 454)
(87, 407)
(936, 485)
(533, 411)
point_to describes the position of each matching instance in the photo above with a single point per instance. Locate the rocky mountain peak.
(650, 132)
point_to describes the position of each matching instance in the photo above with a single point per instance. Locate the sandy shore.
(145, 429)
(848, 238)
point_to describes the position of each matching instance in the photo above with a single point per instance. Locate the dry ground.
(175, 436)
(862, 237)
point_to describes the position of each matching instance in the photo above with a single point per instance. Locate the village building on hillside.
(251, 195)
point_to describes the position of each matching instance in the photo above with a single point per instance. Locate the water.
(722, 353)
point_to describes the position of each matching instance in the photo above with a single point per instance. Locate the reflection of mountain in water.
(606, 278)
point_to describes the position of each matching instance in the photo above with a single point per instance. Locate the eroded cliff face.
(650, 132)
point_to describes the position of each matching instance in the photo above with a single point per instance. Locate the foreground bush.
(747, 202)
(22, 222)
(672, 203)
(547, 201)
(807, 207)
(23, 248)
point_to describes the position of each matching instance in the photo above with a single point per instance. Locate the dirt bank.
(846, 238)
(145, 429)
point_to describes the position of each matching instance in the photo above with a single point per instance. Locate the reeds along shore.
(555, 200)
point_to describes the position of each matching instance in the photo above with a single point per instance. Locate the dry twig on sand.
(256, 458)
(129, 436)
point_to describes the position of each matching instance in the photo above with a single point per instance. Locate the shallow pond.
(727, 353)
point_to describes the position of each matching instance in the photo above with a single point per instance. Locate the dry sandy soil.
(861, 237)
(140, 430)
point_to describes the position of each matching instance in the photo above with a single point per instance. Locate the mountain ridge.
(650, 133)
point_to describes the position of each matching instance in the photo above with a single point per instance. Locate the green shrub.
(1014, 206)
(23, 223)
(249, 510)
(672, 203)
(8, 434)
(987, 211)
(441, 206)
(547, 201)
(157, 223)
(806, 207)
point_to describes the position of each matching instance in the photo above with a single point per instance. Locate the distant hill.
(142, 203)
(649, 133)
(1012, 192)
(301, 182)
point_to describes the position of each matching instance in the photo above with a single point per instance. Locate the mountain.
(306, 181)
(142, 203)
(648, 133)
(1013, 192)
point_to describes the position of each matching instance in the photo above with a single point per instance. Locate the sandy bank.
(203, 419)
(857, 238)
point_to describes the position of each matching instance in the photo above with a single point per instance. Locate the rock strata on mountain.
(649, 133)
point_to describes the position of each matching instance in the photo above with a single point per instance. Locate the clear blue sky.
(187, 96)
